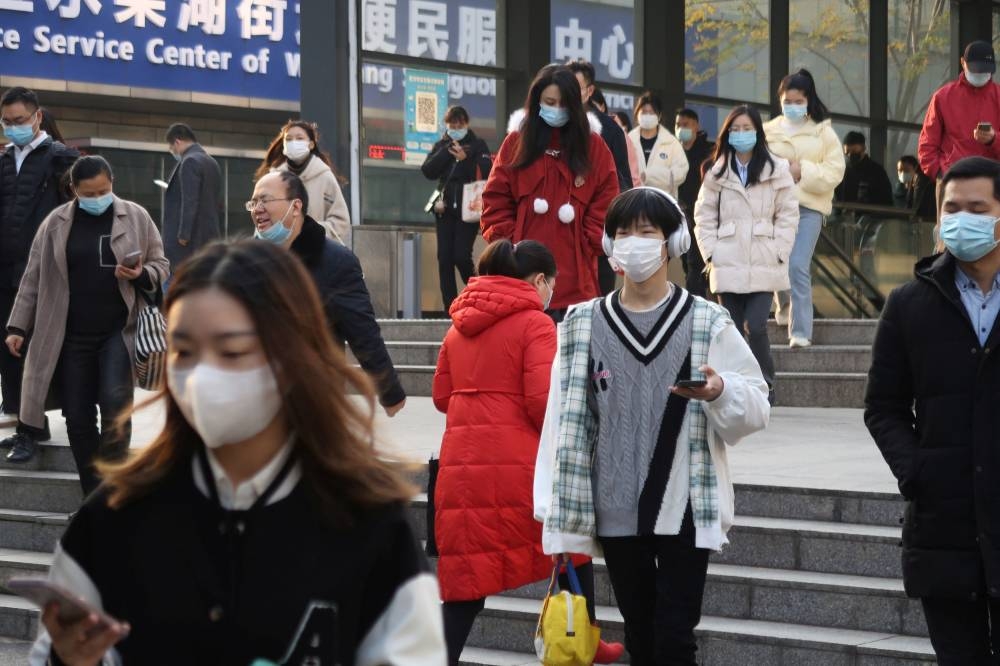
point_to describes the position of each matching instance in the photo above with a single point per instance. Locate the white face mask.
(638, 257)
(978, 80)
(648, 121)
(225, 406)
(296, 150)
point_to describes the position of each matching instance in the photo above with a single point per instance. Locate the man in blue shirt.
(933, 406)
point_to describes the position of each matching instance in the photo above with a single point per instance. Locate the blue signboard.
(602, 34)
(247, 48)
(426, 97)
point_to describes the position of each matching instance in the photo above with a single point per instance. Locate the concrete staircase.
(831, 373)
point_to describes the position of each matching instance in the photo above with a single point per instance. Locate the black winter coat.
(616, 140)
(700, 152)
(26, 198)
(451, 175)
(192, 205)
(866, 183)
(933, 407)
(348, 306)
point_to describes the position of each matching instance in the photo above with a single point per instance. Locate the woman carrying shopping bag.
(745, 220)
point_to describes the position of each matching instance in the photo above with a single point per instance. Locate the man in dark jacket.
(865, 180)
(615, 138)
(915, 191)
(31, 172)
(458, 158)
(932, 407)
(698, 149)
(192, 206)
(278, 211)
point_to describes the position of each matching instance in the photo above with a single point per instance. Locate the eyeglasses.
(17, 121)
(262, 201)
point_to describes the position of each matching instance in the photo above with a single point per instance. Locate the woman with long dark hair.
(264, 466)
(745, 220)
(803, 134)
(553, 181)
(296, 149)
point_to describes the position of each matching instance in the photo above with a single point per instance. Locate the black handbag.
(432, 474)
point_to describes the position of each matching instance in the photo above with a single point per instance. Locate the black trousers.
(962, 632)
(455, 239)
(95, 371)
(459, 616)
(659, 582)
(750, 313)
(11, 367)
(605, 276)
(695, 280)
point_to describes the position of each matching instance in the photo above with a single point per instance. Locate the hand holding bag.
(472, 198)
(150, 345)
(564, 636)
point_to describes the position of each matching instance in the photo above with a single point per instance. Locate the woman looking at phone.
(94, 262)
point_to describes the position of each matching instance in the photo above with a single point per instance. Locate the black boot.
(23, 448)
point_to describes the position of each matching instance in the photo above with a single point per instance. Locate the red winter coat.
(952, 115)
(492, 381)
(509, 211)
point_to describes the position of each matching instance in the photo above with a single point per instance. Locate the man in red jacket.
(962, 116)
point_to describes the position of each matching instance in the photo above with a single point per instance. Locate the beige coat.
(668, 163)
(820, 156)
(45, 283)
(746, 233)
(326, 200)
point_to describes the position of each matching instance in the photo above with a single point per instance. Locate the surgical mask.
(225, 406)
(554, 116)
(794, 112)
(277, 233)
(648, 121)
(978, 80)
(457, 134)
(96, 205)
(176, 156)
(548, 301)
(684, 134)
(296, 150)
(20, 135)
(969, 237)
(638, 257)
(904, 177)
(743, 141)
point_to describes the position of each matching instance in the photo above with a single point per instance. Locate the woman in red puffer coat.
(553, 181)
(492, 381)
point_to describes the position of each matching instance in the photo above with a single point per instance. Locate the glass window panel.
(726, 48)
(601, 31)
(919, 55)
(830, 39)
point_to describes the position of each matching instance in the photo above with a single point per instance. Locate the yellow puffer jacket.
(820, 155)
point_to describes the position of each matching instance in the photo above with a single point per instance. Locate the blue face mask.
(458, 134)
(96, 205)
(743, 141)
(554, 116)
(277, 233)
(794, 112)
(20, 135)
(684, 134)
(969, 237)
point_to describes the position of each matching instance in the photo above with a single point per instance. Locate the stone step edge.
(855, 376)
(783, 348)
(817, 322)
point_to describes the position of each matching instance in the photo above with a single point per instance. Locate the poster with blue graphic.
(426, 100)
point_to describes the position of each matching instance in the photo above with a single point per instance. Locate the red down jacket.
(492, 381)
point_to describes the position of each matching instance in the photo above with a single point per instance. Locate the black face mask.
(855, 158)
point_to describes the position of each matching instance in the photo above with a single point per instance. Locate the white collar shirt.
(22, 152)
(243, 495)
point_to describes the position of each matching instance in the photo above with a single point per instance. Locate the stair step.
(20, 563)
(14, 653)
(481, 657)
(40, 490)
(18, 618)
(52, 457)
(31, 530)
(509, 623)
(869, 508)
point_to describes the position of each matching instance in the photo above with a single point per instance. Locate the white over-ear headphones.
(679, 242)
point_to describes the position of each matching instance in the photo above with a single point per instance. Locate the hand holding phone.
(72, 608)
(691, 383)
(984, 126)
(131, 260)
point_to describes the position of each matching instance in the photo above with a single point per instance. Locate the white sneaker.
(781, 318)
(798, 342)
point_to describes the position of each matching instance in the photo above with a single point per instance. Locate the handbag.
(432, 474)
(150, 345)
(472, 198)
(564, 636)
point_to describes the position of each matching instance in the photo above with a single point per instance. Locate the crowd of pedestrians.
(589, 401)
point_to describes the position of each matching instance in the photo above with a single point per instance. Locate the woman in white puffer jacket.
(746, 217)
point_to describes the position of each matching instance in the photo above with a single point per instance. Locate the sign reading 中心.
(246, 48)
(426, 97)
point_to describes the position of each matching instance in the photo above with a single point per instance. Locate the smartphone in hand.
(691, 383)
(71, 607)
(131, 259)
(984, 126)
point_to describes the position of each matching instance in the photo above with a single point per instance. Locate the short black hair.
(181, 131)
(22, 95)
(688, 113)
(597, 99)
(456, 114)
(643, 203)
(854, 139)
(87, 167)
(294, 187)
(520, 261)
(583, 67)
(911, 160)
(974, 167)
(651, 99)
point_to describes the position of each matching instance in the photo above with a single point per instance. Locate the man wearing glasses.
(278, 211)
(32, 166)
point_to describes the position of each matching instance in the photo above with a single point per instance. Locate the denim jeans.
(800, 323)
(95, 371)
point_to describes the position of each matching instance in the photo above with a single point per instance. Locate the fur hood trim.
(517, 117)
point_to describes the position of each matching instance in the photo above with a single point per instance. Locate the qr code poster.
(426, 100)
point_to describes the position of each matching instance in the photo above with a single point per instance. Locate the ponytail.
(803, 81)
(517, 261)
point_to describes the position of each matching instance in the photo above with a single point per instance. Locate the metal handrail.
(876, 298)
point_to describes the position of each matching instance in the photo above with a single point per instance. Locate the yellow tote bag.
(564, 636)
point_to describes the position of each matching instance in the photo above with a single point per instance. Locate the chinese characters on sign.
(602, 34)
(464, 32)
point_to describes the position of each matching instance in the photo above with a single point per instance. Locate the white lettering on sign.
(262, 18)
(459, 86)
(17, 6)
(428, 29)
(210, 15)
(610, 51)
(292, 64)
(256, 63)
(378, 25)
(89, 47)
(70, 9)
(197, 57)
(10, 39)
(140, 11)
(373, 75)
(477, 36)
(573, 42)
